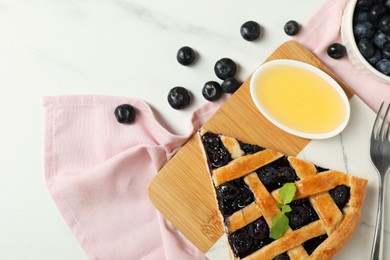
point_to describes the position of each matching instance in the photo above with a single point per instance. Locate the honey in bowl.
(300, 99)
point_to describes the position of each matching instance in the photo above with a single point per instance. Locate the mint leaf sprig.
(280, 222)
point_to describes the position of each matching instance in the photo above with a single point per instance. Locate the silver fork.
(380, 157)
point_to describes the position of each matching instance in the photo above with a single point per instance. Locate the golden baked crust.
(337, 224)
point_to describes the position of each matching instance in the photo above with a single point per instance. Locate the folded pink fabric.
(97, 172)
(323, 29)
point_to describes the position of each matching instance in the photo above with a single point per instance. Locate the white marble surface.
(346, 152)
(118, 47)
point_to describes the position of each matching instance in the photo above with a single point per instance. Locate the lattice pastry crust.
(330, 201)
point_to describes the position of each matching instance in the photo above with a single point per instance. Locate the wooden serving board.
(182, 189)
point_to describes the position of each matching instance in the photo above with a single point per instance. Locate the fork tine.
(383, 126)
(386, 135)
(374, 132)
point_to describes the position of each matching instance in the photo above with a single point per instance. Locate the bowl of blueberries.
(365, 32)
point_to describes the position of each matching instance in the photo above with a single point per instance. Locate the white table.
(121, 47)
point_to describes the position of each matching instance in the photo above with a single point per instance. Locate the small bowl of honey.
(300, 99)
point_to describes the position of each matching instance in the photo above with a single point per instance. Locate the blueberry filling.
(321, 169)
(250, 238)
(283, 256)
(250, 148)
(302, 214)
(340, 195)
(311, 244)
(276, 174)
(216, 152)
(233, 196)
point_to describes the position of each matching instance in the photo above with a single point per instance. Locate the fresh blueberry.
(384, 24)
(258, 229)
(125, 114)
(241, 242)
(230, 85)
(340, 194)
(225, 68)
(366, 48)
(360, 17)
(185, 55)
(374, 59)
(376, 12)
(211, 90)
(364, 4)
(250, 30)
(228, 191)
(364, 30)
(336, 50)
(387, 3)
(383, 66)
(179, 97)
(380, 39)
(291, 28)
(386, 52)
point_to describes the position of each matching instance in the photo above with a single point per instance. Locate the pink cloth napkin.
(323, 29)
(97, 172)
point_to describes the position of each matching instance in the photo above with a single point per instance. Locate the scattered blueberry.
(291, 28)
(125, 114)
(340, 195)
(185, 55)
(250, 30)
(230, 85)
(179, 97)
(336, 50)
(366, 48)
(225, 68)
(364, 30)
(211, 90)
(383, 66)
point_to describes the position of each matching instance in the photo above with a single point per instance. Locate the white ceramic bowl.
(256, 77)
(348, 40)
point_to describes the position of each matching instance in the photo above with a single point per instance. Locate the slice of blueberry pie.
(248, 180)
